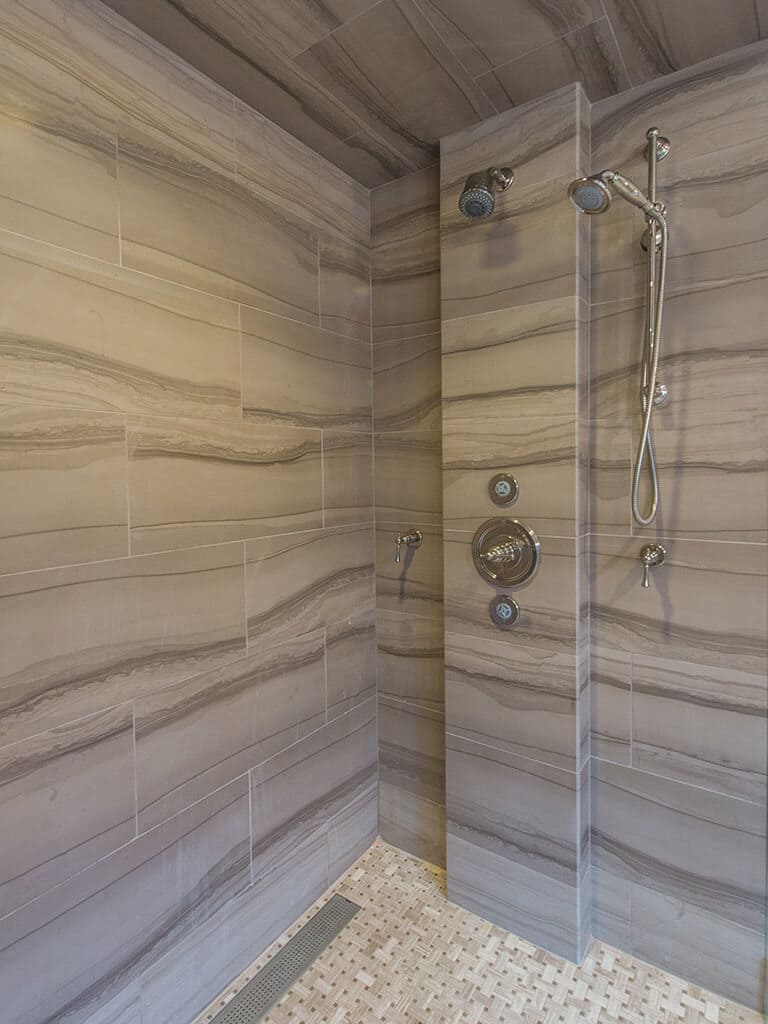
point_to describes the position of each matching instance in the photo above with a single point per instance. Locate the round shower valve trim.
(503, 489)
(506, 552)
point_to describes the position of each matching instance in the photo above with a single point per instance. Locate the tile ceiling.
(373, 84)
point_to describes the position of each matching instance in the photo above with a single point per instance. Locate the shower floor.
(411, 957)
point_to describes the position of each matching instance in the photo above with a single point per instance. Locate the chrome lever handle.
(412, 539)
(652, 556)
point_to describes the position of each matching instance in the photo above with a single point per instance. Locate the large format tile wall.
(405, 273)
(187, 659)
(514, 318)
(679, 670)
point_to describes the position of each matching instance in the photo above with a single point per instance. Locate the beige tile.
(194, 482)
(84, 638)
(406, 383)
(347, 477)
(302, 375)
(409, 481)
(64, 486)
(345, 290)
(303, 581)
(350, 662)
(410, 658)
(200, 733)
(108, 338)
(415, 586)
(67, 799)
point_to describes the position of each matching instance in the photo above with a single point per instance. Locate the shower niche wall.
(657, 695)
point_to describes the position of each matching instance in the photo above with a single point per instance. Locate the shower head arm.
(502, 176)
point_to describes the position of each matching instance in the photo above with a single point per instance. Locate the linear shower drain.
(266, 988)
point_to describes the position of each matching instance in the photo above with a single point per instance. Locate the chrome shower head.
(590, 195)
(477, 200)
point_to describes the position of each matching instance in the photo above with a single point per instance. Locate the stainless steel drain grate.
(255, 999)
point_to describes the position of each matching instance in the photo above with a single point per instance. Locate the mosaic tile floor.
(411, 957)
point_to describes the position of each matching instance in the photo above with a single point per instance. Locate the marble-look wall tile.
(701, 725)
(405, 256)
(348, 490)
(193, 482)
(410, 659)
(406, 384)
(514, 362)
(512, 697)
(301, 375)
(409, 481)
(611, 684)
(345, 290)
(706, 605)
(66, 799)
(415, 585)
(58, 178)
(304, 581)
(202, 732)
(540, 451)
(110, 339)
(80, 639)
(350, 660)
(393, 71)
(412, 778)
(691, 844)
(185, 870)
(588, 55)
(294, 794)
(64, 487)
(713, 952)
(611, 909)
(352, 830)
(548, 603)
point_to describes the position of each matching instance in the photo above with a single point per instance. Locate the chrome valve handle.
(652, 556)
(412, 539)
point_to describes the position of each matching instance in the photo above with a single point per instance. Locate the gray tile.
(66, 800)
(304, 581)
(657, 38)
(412, 823)
(706, 605)
(547, 603)
(366, 158)
(611, 691)
(514, 698)
(393, 71)
(405, 256)
(511, 361)
(411, 749)
(294, 794)
(540, 451)
(350, 663)
(611, 909)
(168, 350)
(81, 639)
(611, 454)
(300, 375)
(345, 291)
(184, 871)
(588, 55)
(692, 943)
(486, 35)
(690, 844)
(351, 831)
(193, 482)
(409, 479)
(701, 725)
(347, 477)
(200, 733)
(415, 586)
(406, 384)
(410, 659)
(64, 485)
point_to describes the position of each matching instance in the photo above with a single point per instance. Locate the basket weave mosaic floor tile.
(411, 957)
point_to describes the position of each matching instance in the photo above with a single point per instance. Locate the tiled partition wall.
(679, 670)
(187, 714)
(513, 322)
(405, 269)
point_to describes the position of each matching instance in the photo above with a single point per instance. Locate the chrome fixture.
(478, 199)
(503, 489)
(504, 611)
(506, 552)
(593, 195)
(652, 556)
(412, 539)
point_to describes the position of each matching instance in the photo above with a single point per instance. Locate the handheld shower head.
(477, 200)
(628, 190)
(590, 195)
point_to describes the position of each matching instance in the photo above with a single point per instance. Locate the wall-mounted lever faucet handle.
(652, 556)
(412, 539)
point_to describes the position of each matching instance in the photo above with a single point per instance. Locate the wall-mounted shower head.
(590, 195)
(477, 199)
